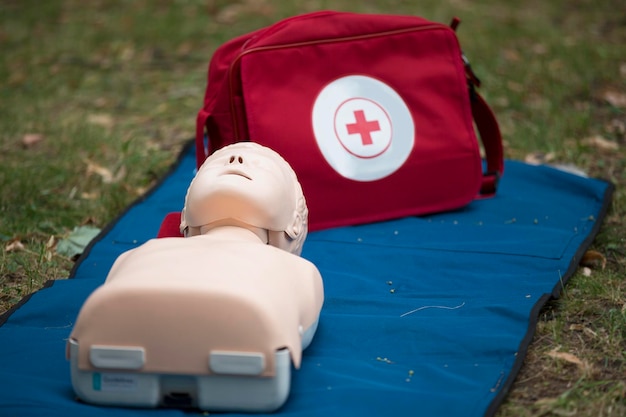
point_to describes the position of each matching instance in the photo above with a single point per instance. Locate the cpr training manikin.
(213, 320)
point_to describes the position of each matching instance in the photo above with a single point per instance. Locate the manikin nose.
(235, 159)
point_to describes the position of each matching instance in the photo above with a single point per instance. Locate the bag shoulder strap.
(488, 129)
(491, 138)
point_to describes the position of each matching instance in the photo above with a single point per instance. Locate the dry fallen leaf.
(51, 242)
(127, 53)
(511, 55)
(31, 139)
(571, 358)
(14, 246)
(601, 143)
(120, 174)
(50, 248)
(229, 14)
(539, 49)
(184, 48)
(515, 87)
(615, 99)
(106, 174)
(552, 406)
(89, 196)
(101, 102)
(617, 126)
(138, 191)
(568, 357)
(100, 119)
(582, 328)
(538, 158)
(593, 258)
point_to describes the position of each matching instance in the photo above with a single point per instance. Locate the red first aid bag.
(375, 113)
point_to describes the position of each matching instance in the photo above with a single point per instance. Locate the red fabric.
(263, 86)
(492, 141)
(170, 226)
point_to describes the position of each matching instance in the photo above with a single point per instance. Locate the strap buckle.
(473, 79)
(469, 72)
(490, 182)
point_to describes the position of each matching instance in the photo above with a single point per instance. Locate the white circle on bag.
(362, 127)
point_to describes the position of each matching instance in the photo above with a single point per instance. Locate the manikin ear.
(295, 228)
(183, 228)
(292, 238)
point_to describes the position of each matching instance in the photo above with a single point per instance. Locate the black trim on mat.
(543, 300)
(5, 316)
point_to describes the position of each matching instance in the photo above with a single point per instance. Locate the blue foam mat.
(426, 316)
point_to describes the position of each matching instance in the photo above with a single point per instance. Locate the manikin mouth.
(237, 172)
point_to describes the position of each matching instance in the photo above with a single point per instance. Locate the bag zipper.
(270, 30)
(234, 66)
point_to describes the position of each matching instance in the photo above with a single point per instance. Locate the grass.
(108, 91)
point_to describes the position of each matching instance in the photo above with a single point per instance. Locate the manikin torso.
(235, 283)
(224, 259)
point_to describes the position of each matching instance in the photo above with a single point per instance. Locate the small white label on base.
(115, 382)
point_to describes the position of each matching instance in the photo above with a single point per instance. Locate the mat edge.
(522, 351)
(4, 317)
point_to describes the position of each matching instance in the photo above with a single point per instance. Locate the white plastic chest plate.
(117, 357)
(236, 363)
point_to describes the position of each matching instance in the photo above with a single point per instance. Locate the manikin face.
(247, 183)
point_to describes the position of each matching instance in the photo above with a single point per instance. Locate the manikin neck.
(238, 231)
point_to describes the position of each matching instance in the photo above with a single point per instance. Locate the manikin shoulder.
(201, 256)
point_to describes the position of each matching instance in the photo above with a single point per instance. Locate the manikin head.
(247, 185)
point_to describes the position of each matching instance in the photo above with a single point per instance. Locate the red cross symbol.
(363, 127)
